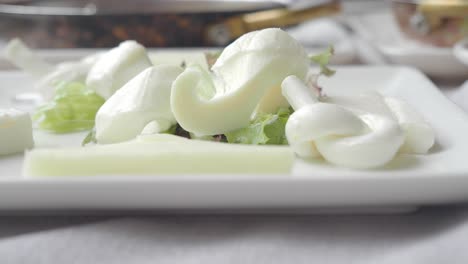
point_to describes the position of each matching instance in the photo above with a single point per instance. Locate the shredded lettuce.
(73, 108)
(90, 137)
(267, 129)
(323, 59)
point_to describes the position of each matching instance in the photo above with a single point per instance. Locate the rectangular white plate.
(342, 55)
(410, 180)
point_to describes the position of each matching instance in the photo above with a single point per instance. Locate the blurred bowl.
(460, 51)
(440, 23)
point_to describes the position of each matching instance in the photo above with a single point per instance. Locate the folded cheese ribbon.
(245, 80)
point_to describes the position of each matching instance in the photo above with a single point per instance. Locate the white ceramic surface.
(439, 177)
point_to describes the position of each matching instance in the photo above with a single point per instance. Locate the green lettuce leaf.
(267, 129)
(323, 59)
(73, 108)
(90, 137)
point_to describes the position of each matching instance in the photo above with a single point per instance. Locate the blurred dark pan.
(154, 23)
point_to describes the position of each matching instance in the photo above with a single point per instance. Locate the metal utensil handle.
(445, 8)
(222, 33)
(430, 13)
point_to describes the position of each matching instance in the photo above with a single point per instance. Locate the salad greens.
(246, 77)
(237, 100)
(73, 108)
(267, 129)
(323, 59)
(90, 137)
(75, 105)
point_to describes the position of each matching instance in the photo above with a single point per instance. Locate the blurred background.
(416, 33)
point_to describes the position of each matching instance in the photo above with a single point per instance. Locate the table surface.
(431, 235)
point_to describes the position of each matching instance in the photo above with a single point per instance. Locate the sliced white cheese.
(116, 67)
(369, 102)
(74, 71)
(24, 58)
(158, 154)
(297, 93)
(271, 54)
(144, 99)
(48, 76)
(15, 131)
(246, 78)
(419, 135)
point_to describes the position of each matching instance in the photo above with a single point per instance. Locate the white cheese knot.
(361, 132)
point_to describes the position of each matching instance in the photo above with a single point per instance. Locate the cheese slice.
(158, 154)
(15, 131)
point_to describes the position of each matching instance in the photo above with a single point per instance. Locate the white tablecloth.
(430, 236)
